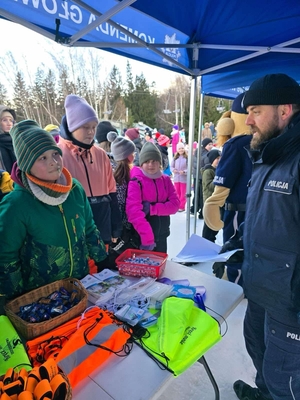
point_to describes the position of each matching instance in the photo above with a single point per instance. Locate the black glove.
(218, 269)
(236, 258)
(235, 242)
(101, 265)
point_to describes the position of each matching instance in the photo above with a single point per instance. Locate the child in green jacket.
(46, 224)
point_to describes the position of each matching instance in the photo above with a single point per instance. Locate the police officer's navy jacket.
(234, 169)
(271, 267)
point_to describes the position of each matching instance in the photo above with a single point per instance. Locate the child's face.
(151, 167)
(48, 166)
(130, 158)
(6, 121)
(181, 150)
(85, 134)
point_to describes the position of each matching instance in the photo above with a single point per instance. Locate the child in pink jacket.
(151, 199)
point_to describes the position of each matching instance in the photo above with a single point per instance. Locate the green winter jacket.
(41, 243)
(208, 174)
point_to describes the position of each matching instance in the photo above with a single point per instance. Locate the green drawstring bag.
(182, 335)
(12, 351)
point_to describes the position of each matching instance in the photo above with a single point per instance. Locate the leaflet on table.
(102, 286)
(198, 249)
(130, 314)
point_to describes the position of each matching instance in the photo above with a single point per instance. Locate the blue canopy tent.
(194, 37)
(226, 43)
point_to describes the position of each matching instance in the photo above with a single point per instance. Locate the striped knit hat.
(30, 141)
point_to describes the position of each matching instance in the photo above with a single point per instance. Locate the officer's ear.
(285, 111)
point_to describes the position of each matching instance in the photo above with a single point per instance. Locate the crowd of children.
(82, 187)
(69, 199)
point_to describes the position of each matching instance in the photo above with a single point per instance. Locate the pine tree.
(39, 97)
(113, 102)
(53, 109)
(20, 97)
(65, 86)
(139, 99)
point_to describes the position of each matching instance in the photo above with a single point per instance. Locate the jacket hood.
(208, 166)
(16, 174)
(64, 130)
(67, 135)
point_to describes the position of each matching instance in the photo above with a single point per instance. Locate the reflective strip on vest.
(74, 359)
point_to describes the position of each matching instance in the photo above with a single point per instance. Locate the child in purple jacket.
(151, 199)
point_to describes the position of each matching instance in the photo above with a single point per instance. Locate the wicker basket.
(29, 330)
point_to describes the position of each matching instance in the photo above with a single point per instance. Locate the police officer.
(271, 267)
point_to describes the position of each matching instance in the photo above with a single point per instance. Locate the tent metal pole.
(190, 155)
(100, 20)
(196, 188)
(92, 10)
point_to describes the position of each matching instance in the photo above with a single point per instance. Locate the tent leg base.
(211, 377)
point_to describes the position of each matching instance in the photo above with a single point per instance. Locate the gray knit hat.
(149, 152)
(121, 148)
(273, 89)
(30, 141)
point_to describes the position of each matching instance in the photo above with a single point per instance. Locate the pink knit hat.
(163, 140)
(78, 112)
(132, 133)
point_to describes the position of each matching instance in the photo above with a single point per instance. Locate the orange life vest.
(82, 344)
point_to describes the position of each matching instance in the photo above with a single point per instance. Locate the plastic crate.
(129, 268)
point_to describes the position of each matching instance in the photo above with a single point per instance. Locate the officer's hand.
(218, 269)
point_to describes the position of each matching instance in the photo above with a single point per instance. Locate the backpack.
(182, 335)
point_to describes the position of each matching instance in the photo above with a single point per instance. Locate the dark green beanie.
(149, 152)
(30, 141)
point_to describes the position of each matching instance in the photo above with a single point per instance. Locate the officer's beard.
(260, 137)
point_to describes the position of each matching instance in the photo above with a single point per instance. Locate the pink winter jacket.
(175, 140)
(161, 195)
(96, 177)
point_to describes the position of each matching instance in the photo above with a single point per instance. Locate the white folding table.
(138, 377)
